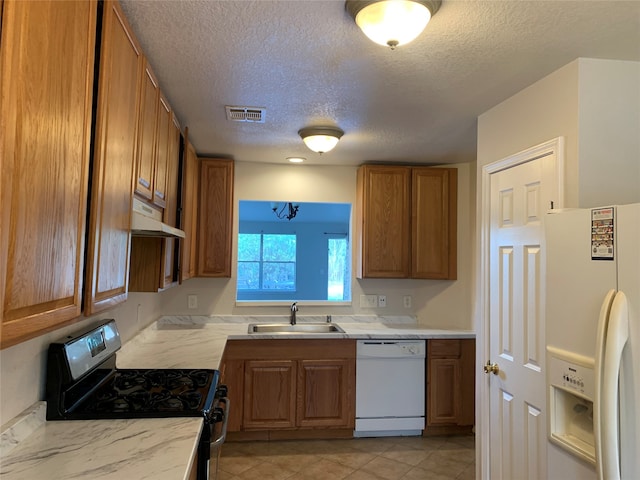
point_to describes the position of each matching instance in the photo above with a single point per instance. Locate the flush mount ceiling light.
(321, 139)
(392, 22)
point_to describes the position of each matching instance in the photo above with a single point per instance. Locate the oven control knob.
(222, 391)
(218, 414)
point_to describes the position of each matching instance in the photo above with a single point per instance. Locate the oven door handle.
(223, 434)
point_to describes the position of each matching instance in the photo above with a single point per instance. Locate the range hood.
(147, 222)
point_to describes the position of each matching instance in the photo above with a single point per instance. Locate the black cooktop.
(135, 393)
(84, 383)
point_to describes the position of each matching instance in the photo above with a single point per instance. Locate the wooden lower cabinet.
(324, 391)
(270, 394)
(290, 385)
(450, 385)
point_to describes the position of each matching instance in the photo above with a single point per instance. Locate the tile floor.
(390, 458)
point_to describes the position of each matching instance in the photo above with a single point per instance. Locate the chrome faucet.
(294, 309)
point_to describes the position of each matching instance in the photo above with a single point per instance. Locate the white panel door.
(520, 196)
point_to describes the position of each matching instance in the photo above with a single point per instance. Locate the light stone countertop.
(198, 341)
(163, 448)
(150, 448)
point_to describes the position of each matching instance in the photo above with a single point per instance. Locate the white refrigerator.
(593, 343)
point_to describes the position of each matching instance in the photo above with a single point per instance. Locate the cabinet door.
(170, 251)
(146, 153)
(468, 382)
(325, 393)
(162, 153)
(47, 60)
(113, 163)
(232, 375)
(443, 390)
(433, 223)
(215, 218)
(450, 382)
(190, 213)
(270, 394)
(382, 221)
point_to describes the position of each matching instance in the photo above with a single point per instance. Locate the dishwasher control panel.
(391, 348)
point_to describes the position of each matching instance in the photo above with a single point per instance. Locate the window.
(266, 261)
(305, 258)
(338, 278)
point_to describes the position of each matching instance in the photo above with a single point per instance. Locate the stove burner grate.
(148, 391)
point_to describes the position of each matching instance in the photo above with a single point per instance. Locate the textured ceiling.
(308, 64)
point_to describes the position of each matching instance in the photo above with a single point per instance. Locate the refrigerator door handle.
(601, 339)
(617, 336)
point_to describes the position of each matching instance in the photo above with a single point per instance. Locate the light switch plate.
(368, 301)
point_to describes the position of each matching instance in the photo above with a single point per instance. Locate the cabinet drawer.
(444, 348)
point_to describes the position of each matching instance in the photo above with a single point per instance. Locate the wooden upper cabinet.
(113, 164)
(146, 153)
(154, 263)
(191, 171)
(406, 222)
(170, 265)
(162, 153)
(382, 216)
(215, 218)
(47, 59)
(434, 223)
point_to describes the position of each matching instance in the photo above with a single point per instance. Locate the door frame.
(551, 147)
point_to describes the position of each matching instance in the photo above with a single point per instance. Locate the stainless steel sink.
(287, 328)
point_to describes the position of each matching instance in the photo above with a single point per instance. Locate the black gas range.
(83, 383)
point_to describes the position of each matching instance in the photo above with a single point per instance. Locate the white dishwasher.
(390, 378)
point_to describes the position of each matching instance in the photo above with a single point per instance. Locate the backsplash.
(168, 320)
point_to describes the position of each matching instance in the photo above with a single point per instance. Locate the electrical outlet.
(407, 301)
(193, 301)
(368, 301)
(382, 301)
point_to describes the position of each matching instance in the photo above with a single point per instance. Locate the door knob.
(491, 368)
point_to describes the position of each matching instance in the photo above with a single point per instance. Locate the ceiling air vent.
(246, 114)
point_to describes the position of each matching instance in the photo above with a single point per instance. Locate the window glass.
(266, 262)
(339, 274)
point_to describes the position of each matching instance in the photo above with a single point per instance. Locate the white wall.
(438, 303)
(595, 105)
(609, 130)
(543, 111)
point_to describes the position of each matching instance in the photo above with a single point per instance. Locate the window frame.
(261, 263)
